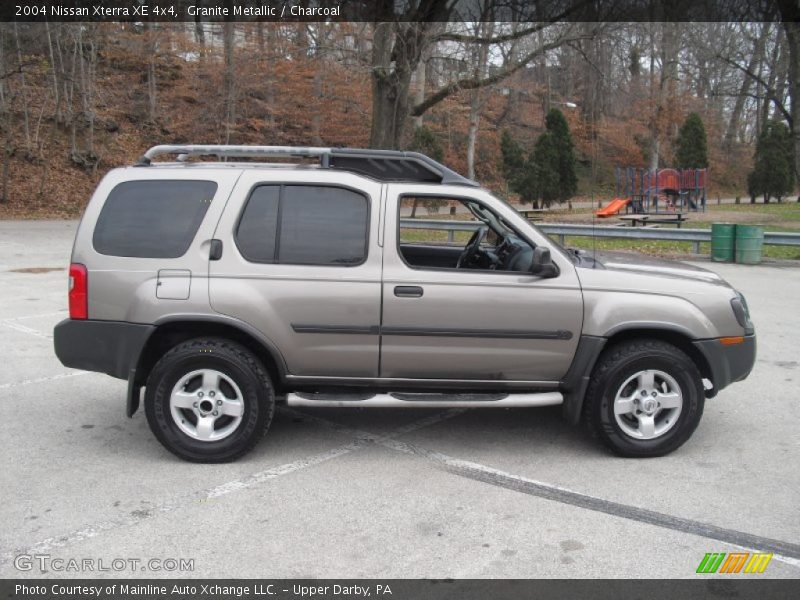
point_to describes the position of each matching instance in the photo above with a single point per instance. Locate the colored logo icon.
(734, 562)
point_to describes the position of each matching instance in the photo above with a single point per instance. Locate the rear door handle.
(408, 291)
(215, 250)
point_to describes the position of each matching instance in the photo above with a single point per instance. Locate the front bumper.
(728, 364)
(110, 347)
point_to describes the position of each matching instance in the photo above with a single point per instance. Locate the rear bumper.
(109, 347)
(728, 364)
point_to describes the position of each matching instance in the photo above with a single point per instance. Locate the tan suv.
(223, 287)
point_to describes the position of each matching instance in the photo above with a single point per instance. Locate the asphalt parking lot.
(385, 493)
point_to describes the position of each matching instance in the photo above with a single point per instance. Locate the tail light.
(78, 292)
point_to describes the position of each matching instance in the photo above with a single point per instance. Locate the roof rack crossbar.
(377, 160)
(225, 151)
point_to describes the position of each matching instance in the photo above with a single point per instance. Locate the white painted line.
(59, 313)
(28, 330)
(209, 494)
(557, 493)
(6, 386)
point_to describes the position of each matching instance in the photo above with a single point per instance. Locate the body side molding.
(559, 334)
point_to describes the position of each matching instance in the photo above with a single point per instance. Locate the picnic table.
(677, 219)
(533, 214)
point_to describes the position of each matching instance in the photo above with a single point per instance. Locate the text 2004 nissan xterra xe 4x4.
(218, 287)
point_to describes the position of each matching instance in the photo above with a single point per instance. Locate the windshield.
(569, 253)
(495, 222)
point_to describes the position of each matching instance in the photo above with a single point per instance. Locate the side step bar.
(424, 400)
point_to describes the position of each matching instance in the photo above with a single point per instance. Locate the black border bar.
(741, 587)
(522, 11)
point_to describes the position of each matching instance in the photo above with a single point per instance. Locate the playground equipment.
(613, 207)
(657, 191)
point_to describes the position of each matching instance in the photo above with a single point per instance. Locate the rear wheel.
(645, 398)
(209, 400)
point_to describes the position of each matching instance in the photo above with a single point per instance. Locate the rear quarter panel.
(124, 288)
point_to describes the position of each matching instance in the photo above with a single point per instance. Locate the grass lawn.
(773, 217)
(670, 248)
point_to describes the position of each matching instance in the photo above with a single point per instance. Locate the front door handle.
(408, 291)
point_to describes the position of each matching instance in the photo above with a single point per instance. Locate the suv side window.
(458, 234)
(304, 225)
(153, 218)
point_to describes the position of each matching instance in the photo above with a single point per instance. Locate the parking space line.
(24, 329)
(6, 386)
(37, 316)
(784, 551)
(362, 439)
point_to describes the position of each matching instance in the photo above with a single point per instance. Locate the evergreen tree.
(562, 146)
(426, 142)
(692, 151)
(548, 173)
(543, 170)
(513, 160)
(773, 173)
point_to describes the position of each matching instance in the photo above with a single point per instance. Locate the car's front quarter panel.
(614, 301)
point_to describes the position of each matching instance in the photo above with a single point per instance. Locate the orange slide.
(616, 205)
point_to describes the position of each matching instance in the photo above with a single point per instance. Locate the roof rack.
(383, 165)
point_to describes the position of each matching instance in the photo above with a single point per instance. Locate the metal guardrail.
(561, 230)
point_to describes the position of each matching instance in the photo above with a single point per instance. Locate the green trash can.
(722, 241)
(749, 241)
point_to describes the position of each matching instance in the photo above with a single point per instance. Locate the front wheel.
(209, 400)
(645, 398)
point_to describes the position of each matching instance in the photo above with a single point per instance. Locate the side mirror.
(542, 265)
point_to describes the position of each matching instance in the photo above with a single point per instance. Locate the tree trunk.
(5, 126)
(229, 81)
(260, 39)
(200, 36)
(472, 133)
(774, 65)
(319, 82)
(421, 75)
(73, 118)
(151, 52)
(390, 85)
(480, 56)
(736, 114)
(23, 87)
(654, 143)
(664, 94)
(792, 29)
(56, 87)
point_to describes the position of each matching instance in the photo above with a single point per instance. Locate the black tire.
(234, 361)
(614, 367)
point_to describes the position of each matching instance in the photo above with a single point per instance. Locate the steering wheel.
(473, 246)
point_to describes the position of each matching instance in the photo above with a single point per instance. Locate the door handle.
(215, 250)
(408, 291)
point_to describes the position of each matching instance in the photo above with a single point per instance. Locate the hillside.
(116, 90)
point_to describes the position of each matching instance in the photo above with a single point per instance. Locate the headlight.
(739, 305)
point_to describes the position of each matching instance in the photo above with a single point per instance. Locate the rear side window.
(152, 219)
(258, 226)
(304, 225)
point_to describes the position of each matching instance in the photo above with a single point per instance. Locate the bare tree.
(229, 78)
(151, 49)
(756, 58)
(5, 116)
(480, 56)
(23, 85)
(664, 92)
(790, 17)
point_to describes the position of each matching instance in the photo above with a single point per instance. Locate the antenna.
(593, 133)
